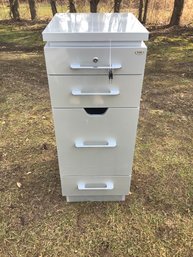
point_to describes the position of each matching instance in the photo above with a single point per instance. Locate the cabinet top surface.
(95, 26)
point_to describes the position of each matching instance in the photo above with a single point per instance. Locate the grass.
(21, 38)
(156, 218)
(158, 13)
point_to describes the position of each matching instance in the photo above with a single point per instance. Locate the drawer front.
(95, 91)
(81, 60)
(95, 185)
(95, 144)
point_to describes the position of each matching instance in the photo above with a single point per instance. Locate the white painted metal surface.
(108, 185)
(96, 144)
(80, 91)
(95, 27)
(95, 198)
(79, 60)
(104, 185)
(95, 66)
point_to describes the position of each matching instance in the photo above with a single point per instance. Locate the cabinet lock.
(95, 59)
(110, 74)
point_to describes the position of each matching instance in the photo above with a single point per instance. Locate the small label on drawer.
(139, 52)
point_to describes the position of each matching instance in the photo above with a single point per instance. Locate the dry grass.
(159, 11)
(155, 220)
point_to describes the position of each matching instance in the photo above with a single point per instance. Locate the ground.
(156, 218)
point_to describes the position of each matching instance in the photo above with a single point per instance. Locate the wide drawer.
(95, 60)
(95, 185)
(95, 144)
(95, 91)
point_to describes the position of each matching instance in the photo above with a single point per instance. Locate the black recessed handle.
(95, 111)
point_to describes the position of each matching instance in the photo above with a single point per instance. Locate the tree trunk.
(32, 7)
(145, 11)
(71, 6)
(177, 12)
(93, 5)
(117, 5)
(140, 10)
(14, 9)
(53, 7)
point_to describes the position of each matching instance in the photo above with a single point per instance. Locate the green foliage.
(14, 35)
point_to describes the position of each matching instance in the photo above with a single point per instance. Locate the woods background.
(152, 12)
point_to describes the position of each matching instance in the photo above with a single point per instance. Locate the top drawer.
(95, 60)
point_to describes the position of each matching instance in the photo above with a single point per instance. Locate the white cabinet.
(95, 66)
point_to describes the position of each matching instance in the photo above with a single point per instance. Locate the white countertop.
(95, 27)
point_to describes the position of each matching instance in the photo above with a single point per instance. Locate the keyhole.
(95, 59)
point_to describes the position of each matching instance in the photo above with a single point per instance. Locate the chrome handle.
(110, 143)
(111, 92)
(95, 186)
(80, 67)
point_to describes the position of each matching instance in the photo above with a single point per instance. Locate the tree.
(32, 7)
(93, 5)
(53, 7)
(140, 9)
(71, 6)
(117, 5)
(177, 12)
(142, 15)
(14, 9)
(145, 12)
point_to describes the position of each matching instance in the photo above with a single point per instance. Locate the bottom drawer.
(95, 185)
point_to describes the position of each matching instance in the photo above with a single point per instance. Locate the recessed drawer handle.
(110, 143)
(95, 186)
(111, 92)
(80, 67)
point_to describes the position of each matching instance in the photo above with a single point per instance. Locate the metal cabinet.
(95, 66)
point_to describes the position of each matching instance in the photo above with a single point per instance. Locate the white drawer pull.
(110, 143)
(111, 92)
(95, 186)
(79, 67)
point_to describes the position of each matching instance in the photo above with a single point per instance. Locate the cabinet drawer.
(95, 185)
(95, 144)
(95, 91)
(80, 60)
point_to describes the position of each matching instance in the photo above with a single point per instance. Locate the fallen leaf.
(181, 95)
(184, 118)
(19, 184)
